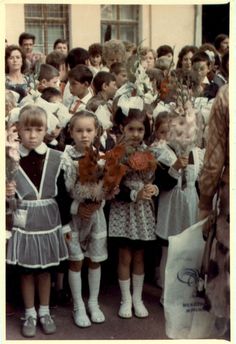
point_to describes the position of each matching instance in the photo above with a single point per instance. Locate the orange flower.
(142, 161)
(164, 89)
(116, 153)
(113, 175)
(89, 170)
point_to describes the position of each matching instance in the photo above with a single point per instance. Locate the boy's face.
(54, 82)
(200, 70)
(95, 60)
(110, 89)
(121, 78)
(62, 47)
(78, 89)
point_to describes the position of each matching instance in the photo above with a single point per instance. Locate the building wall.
(159, 24)
(14, 22)
(84, 25)
(172, 25)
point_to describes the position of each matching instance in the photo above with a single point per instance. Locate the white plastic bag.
(184, 313)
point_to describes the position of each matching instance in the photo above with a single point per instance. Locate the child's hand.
(86, 210)
(112, 193)
(147, 192)
(181, 162)
(10, 188)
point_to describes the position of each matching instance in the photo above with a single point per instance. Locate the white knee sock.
(137, 287)
(74, 278)
(125, 310)
(125, 290)
(80, 316)
(94, 277)
(139, 308)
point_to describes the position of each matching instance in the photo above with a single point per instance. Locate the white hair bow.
(210, 54)
(126, 103)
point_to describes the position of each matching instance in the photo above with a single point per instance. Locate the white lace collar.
(41, 149)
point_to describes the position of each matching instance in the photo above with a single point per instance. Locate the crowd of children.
(76, 111)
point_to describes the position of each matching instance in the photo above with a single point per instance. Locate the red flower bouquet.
(142, 161)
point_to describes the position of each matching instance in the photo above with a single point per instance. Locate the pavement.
(152, 327)
(114, 328)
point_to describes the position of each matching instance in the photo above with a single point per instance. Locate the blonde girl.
(87, 217)
(37, 243)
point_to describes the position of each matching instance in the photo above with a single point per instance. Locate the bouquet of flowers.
(185, 128)
(12, 165)
(12, 154)
(98, 175)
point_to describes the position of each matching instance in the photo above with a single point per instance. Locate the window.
(120, 22)
(47, 23)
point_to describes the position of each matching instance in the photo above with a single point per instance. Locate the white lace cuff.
(74, 207)
(173, 173)
(8, 235)
(66, 229)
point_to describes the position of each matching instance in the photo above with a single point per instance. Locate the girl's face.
(199, 71)
(14, 61)
(83, 132)
(96, 60)
(134, 133)
(162, 131)
(186, 61)
(32, 136)
(150, 60)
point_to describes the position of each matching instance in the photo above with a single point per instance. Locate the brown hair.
(8, 51)
(32, 115)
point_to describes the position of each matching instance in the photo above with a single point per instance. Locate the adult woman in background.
(15, 65)
(185, 56)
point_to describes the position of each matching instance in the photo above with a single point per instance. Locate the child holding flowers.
(180, 161)
(87, 236)
(132, 219)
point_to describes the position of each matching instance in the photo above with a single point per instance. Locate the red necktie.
(76, 106)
